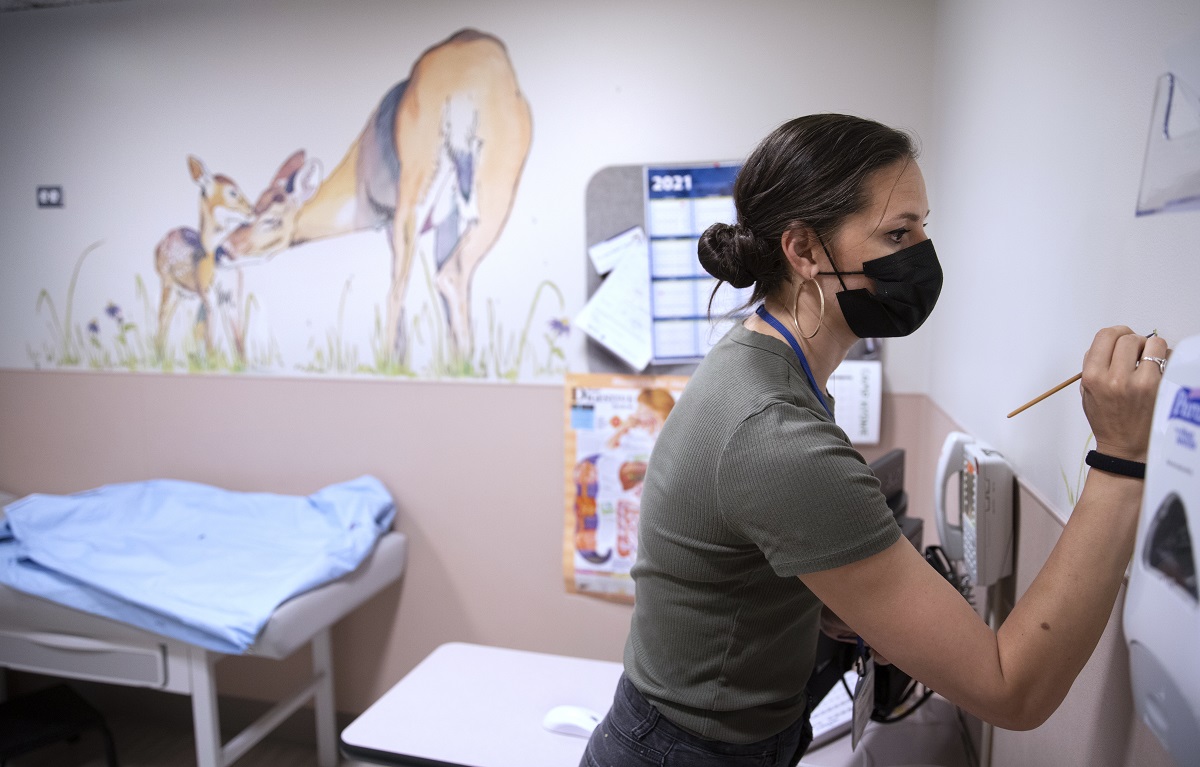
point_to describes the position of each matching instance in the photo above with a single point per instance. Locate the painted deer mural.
(186, 259)
(443, 153)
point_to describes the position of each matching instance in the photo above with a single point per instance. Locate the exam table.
(41, 636)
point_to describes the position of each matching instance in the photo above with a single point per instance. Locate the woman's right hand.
(1118, 393)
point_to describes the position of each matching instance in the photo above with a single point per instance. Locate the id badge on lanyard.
(864, 694)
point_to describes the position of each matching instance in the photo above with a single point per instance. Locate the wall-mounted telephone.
(983, 538)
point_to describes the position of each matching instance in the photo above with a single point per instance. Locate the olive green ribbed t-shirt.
(750, 484)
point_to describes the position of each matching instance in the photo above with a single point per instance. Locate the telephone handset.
(983, 537)
(950, 462)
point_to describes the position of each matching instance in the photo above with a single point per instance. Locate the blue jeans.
(634, 734)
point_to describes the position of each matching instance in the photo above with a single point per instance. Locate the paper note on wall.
(857, 386)
(618, 313)
(607, 254)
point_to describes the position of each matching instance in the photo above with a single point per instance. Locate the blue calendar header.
(679, 181)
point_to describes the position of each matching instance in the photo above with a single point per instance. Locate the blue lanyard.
(762, 312)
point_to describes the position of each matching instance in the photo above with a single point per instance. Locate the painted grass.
(111, 341)
(1073, 491)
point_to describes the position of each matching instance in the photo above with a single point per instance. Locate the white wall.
(1034, 118)
(1042, 116)
(109, 99)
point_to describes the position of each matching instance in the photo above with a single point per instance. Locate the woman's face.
(894, 219)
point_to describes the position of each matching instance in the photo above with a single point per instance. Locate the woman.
(756, 509)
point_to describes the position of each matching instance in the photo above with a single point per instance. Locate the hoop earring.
(796, 306)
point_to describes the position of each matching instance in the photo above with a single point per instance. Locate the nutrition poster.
(611, 424)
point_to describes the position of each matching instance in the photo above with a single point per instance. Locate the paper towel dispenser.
(1162, 607)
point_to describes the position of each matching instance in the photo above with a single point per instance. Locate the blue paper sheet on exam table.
(186, 560)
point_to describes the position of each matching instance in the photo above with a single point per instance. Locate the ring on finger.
(1162, 363)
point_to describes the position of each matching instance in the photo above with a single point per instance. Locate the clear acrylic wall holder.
(1171, 172)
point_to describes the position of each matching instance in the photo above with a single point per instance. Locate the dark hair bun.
(731, 254)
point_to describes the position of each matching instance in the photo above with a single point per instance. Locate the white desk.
(474, 706)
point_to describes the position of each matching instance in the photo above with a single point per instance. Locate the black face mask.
(907, 285)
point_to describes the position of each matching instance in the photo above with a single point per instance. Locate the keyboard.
(831, 717)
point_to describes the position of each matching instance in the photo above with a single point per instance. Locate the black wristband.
(1113, 465)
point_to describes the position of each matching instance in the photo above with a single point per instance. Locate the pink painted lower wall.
(476, 473)
(1096, 724)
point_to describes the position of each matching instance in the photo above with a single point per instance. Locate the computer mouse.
(571, 720)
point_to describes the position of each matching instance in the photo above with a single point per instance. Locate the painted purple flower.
(561, 325)
(114, 311)
(94, 327)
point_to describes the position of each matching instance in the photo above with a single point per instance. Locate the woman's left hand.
(835, 628)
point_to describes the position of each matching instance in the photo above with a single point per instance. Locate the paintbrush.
(1058, 388)
(1041, 397)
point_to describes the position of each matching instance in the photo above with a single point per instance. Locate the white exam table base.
(44, 637)
(319, 689)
